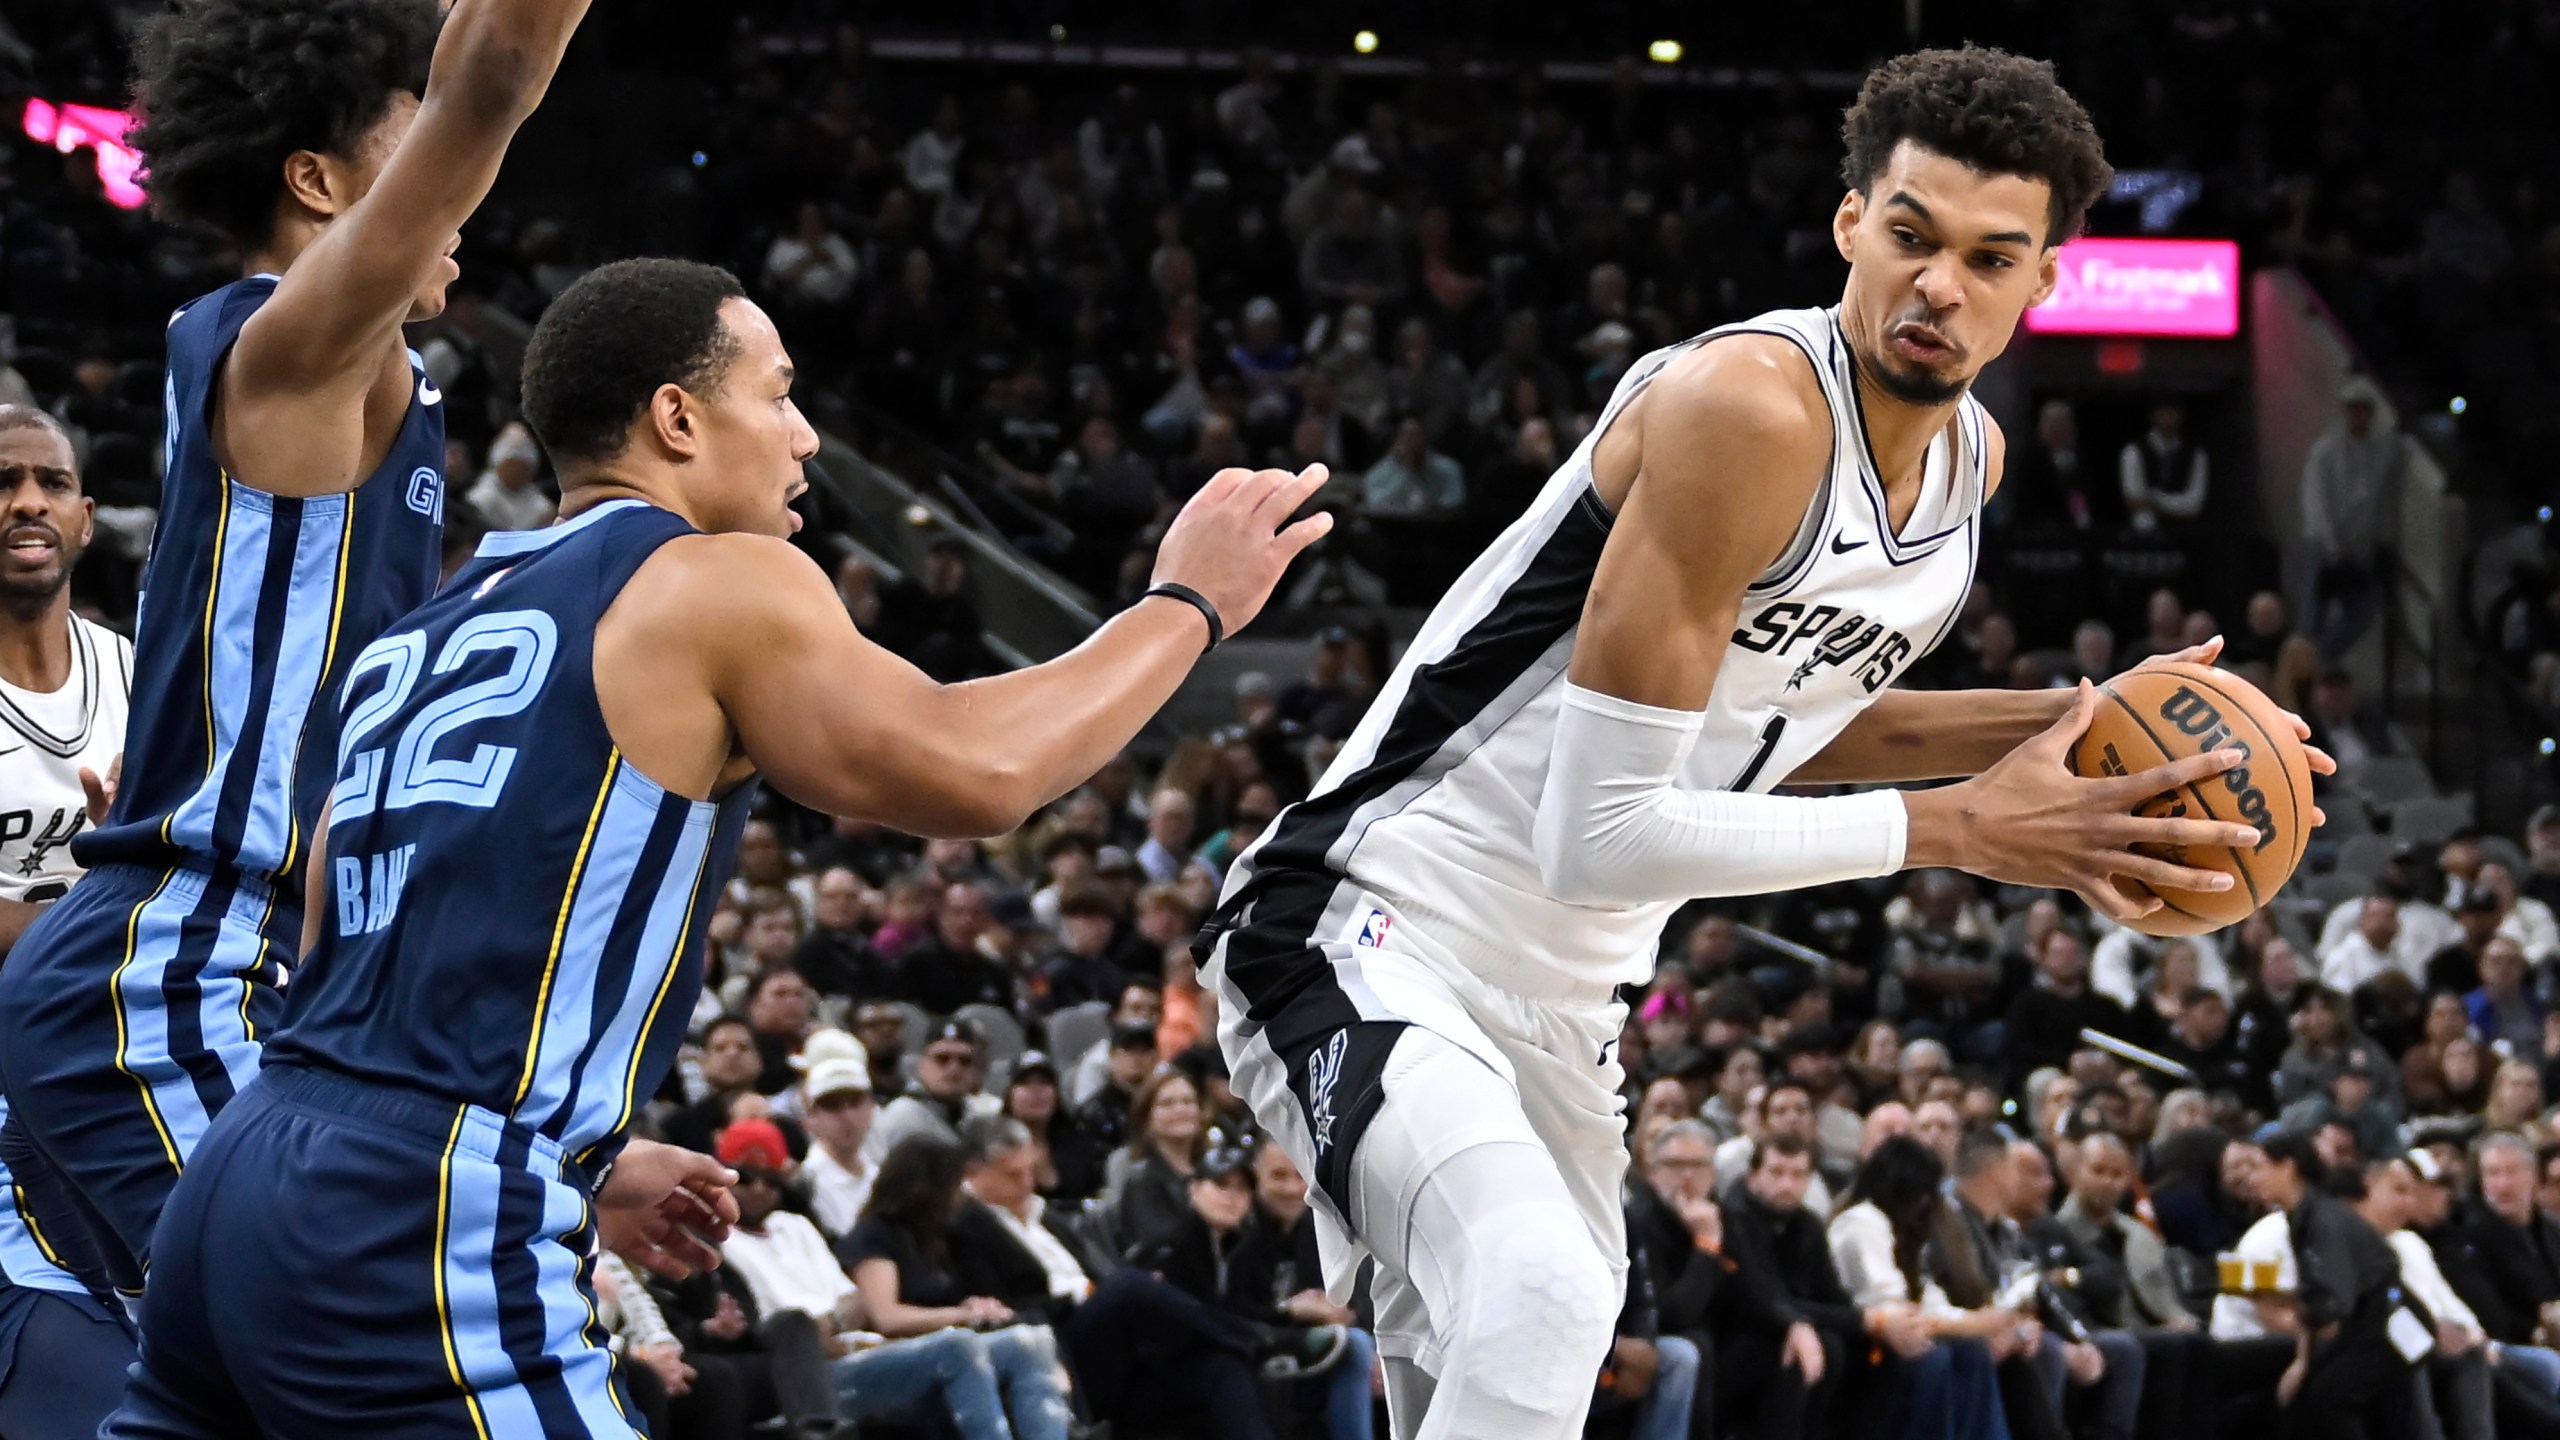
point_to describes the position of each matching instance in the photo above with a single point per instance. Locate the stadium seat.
(2428, 819)
(1003, 1039)
(2506, 852)
(1075, 1030)
(2387, 780)
(2363, 857)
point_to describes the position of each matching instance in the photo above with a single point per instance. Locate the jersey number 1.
(527, 641)
(1769, 734)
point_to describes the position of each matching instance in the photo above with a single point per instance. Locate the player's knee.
(1542, 1308)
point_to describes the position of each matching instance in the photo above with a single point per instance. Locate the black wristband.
(1197, 601)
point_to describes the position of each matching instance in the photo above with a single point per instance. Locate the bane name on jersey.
(1432, 801)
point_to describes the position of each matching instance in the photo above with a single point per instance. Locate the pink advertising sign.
(68, 127)
(2143, 287)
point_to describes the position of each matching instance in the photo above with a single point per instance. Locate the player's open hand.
(666, 1208)
(2029, 820)
(1233, 540)
(100, 794)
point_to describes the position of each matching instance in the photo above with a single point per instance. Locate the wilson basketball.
(2150, 717)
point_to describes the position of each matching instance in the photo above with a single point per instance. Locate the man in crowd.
(950, 969)
(2347, 1369)
(1785, 1328)
(1786, 1108)
(2457, 1382)
(2046, 1019)
(944, 1095)
(800, 1293)
(2507, 1265)
(837, 1108)
(1132, 1058)
(1674, 1222)
(1081, 969)
(1976, 1253)
(2131, 1288)
(836, 957)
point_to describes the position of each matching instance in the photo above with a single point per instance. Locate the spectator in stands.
(1146, 1187)
(838, 1109)
(1784, 1106)
(1411, 480)
(2267, 624)
(1067, 1163)
(2460, 1366)
(1649, 1382)
(1977, 1250)
(1738, 1071)
(1784, 1327)
(2343, 724)
(1288, 1227)
(1081, 969)
(781, 1010)
(882, 1029)
(1130, 1056)
(1944, 975)
(2202, 1040)
(1942, 1379)
(2515, 1102)
(945, 1092)
(932, 621)
(1428, 384)
(835, 956)
(2164, 476)
(2506, 1252)
(1172, 816)
(900, 1258)
(2348, 1289)
(2324, 1035)
(2542, 841)
(1007, 1243)
(731, 1068)
(2045, 1020)
(2051, 492)
(505, 495)
(2093, 651)
(801, 1300)
(2503, 1008)
(1522, 358)
(2455, 969)
(2522, 918)
(1672, 1212)
(2366, 951)
(2204, 1190)
(2350, 514)
(810, 269)
(950, 970)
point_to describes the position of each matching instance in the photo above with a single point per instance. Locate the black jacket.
(2044, 1027)
(1684, 1279)
(2506, 1273)
(990, 1261)
(939, 980)
(1234, 1273)
(1782, 1272)
(2080, 1282)
(2348, 1271)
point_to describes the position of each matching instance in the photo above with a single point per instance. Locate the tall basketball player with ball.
(1711, 598)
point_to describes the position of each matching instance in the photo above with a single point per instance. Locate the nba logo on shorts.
(1373, 931)
(426, 493)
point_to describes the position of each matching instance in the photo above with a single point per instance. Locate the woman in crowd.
(2193, 1194)
(1942, 1382)
(2324, 1035)
(1068, 1163)
(2153, 1021)
(2422, 1086)
(900, 1260)
(2454, 1084)
(2515, 1102)
(1875, 1064)
(1147, 1183)
(1738, 1071)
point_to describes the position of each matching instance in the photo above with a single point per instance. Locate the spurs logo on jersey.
(1432, 801)
(46, 740)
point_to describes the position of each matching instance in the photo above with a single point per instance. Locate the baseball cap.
(1262, 310)
(1352, 153)
(1115, 860)
(756, 1143)
(1136, 1035)
(2424, 1162)
(1226, 1157)
(835, 1077)
(1036, 1062)
(1012, 910)
(829, 1044)
(960, 1030)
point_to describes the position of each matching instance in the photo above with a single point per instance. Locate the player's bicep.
(843, 726)
(1722, 484)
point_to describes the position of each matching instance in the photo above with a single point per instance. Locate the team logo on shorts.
(1373, 931)
(1324, 1070)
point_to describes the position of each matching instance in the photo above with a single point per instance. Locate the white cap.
(830, 1044)
(833, 1077)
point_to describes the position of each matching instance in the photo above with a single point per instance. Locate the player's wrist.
(1941, 825)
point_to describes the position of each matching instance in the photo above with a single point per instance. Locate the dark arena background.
(1046, 268)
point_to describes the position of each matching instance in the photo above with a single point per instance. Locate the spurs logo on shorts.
(1324, 1071)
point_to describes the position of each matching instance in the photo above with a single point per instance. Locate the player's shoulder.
(1749, 386)
(726, 580)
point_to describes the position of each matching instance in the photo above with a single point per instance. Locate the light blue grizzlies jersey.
(516, 914)
(253, 605)
(26, 1257)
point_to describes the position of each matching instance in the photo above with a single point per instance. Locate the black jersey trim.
(84, 671)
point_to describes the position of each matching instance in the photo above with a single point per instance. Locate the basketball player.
(1713, 596)
(543, 776)
(63, 687)
(301, 513)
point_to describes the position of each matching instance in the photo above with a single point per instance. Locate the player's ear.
(1844, 223)
(2048, 275)
(316, 183)
(673, 422)
(88, 521)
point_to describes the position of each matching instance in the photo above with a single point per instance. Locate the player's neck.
(284, 245)
(1898, 431)
(35, 644)
(582, 493)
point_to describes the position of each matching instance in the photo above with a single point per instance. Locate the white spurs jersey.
(1431, 801)
(45, 742)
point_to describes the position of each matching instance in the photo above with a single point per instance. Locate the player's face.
(1943, 259)
(753, 439)
(47, 519)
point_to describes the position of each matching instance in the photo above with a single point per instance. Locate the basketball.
(2150, 717)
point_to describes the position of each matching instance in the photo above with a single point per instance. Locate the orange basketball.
(2150, 717)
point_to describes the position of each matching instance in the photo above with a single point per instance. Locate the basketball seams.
(2293, 793)
(2207, 922)
(2240, 863)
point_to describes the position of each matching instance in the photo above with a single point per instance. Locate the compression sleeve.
(1615, 828)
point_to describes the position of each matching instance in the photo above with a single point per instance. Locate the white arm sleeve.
(1614, 828)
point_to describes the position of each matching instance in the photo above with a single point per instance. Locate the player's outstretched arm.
(289, 418)
(843, 726)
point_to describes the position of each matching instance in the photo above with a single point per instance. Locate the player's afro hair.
(228, 88)
(1996, 112)
(611, 339)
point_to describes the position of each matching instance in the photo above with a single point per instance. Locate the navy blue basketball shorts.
(129, 1016)
(62, 1363)
(343, 1258)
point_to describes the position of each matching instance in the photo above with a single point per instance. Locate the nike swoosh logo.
(428, 394)
(1839, 549)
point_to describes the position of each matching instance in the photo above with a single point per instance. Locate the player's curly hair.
(1997, 112)
(228, 88)
(611, 339)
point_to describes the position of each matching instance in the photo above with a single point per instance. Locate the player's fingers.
(96, 794)
(2116, 905)
(2319, 817)
(690, 1250)
(2181, 830)
(2058, 737)
(2160, 874)
(2321, 761)
(1305, 533)
(1287, 492)
(2175, 775)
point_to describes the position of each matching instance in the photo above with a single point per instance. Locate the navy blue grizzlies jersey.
(517, 914)
(253, 604)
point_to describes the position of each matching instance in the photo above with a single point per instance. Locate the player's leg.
(62, 1364)
(1517, 1294)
